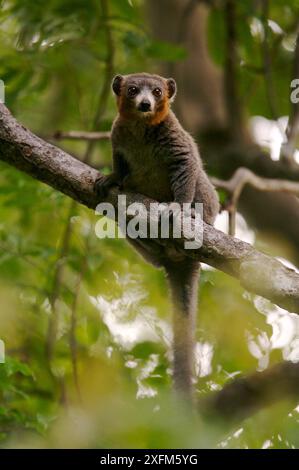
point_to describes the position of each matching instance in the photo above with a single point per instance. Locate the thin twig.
(234, 186)
(81, 135)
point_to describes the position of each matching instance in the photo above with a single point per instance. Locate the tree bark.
(244, 396)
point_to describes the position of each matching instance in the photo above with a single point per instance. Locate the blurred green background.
(86, 323)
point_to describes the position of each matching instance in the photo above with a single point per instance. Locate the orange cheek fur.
(122, 107)
(160, 114)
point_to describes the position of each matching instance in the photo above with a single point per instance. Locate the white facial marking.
(145, 94)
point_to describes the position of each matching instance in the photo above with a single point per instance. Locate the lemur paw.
(175, 209)
(172, 211)
(103, 184)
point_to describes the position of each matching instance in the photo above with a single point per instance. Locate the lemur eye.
(132, 90)
(157, 92)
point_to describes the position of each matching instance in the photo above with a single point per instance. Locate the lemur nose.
(144, 106)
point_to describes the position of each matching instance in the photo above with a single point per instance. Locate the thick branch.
(256, 271)
(246, 395)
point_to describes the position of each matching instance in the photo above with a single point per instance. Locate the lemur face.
(143, 95)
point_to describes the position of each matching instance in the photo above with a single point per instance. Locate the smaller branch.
(245, 396)
(232, 212)
(81, 135)
(242, 176)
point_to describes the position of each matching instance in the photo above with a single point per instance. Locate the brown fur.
(161, 112)
(155, 156)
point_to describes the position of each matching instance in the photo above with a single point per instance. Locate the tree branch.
(246, 395)
(81, 135)
(243, 176)
(256, 271)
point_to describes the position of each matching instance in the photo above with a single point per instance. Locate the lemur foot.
(103, 183)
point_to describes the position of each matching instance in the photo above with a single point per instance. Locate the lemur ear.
(116, 84)
(172, 88)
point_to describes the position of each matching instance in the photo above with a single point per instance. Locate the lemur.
(154, 156)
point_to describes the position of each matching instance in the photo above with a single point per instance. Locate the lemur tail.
(183, 279)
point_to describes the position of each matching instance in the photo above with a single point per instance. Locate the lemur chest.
(148, 172)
